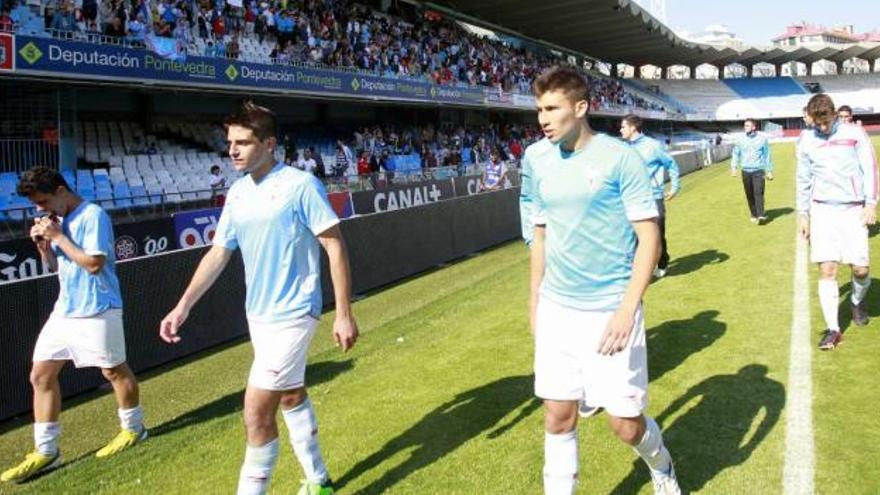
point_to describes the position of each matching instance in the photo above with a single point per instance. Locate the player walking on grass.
(76, 240)
(277, 216)
(594, 246)
(837, 192)
(658, 162)
(751, 152)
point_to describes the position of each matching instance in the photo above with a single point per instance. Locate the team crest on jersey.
(593, 180)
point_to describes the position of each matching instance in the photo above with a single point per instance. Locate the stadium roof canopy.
(620, 31)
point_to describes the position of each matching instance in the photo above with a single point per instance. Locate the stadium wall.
(383, 247)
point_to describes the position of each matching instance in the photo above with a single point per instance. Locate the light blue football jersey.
(587, 200)
(657, 160)
(81, 293)
(275, 223)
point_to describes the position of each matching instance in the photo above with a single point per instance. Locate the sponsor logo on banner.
(83, 60)
(467, 186)
(19, 259)
(523, 101)
(7, 52)
(496, 97)
(145, 238)
(196, 228)
(126, 247)
(403, 196)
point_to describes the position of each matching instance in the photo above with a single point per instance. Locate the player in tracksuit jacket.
(752, 153)
(657, 161)
(837, 192)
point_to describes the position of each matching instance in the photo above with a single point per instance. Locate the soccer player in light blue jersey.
(659, 163)
(86, 324)
(594, 246)
(751, 152)
(278, 216)
(837, 192)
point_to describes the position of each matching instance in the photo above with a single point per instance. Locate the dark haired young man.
(658, 162)
(594, 244)
(278, 216)
(76, 240)
(837, 192)
(751, 152)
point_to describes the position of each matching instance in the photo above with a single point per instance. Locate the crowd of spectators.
(370, 149)
(403, 42)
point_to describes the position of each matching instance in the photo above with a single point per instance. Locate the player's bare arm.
(345, 330)
(211, 266)
(620, 325)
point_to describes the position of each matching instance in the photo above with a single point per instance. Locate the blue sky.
(757, 21)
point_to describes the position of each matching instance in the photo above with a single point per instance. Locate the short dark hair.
(754, 122)
(215, 167)
(259, 119)
(633, 120)
(564, 79)
(40, 179)
(845, 108)
(821, 108)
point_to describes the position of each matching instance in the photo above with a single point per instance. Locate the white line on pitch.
(797, 475)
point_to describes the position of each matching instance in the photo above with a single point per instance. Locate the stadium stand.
(338, 35)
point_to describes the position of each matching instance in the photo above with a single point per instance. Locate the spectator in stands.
(232, 49)
(137, 29)
(344, 159)
(363, 170)
(516, 149)
(307, 163)
(385, 163)
(845, 114)
(152, 149)
(202, 24)
(320, 170)
(218, 186)
(63, 20)
(6, 22)
(115, 29)
(90, 10)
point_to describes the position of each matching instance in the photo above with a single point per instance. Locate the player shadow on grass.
(775, 213)
(316, 374)
(695, 261)
(717, 429)
(447, 427)
(844, 311)
(671, 342)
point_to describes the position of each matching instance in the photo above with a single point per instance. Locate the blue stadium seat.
(760, 87)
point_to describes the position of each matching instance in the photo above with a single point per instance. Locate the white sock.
(560, 463)
(303, 427)
(860, 288)
(651, 448)
(46, 437)
(256, 471)
(829, 299)
(132, 419)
